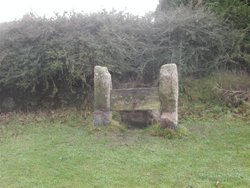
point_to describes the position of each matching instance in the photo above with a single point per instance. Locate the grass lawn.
(37, 151)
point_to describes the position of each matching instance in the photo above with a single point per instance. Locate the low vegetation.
(216, 95)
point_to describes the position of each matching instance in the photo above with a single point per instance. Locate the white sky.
(15, 9)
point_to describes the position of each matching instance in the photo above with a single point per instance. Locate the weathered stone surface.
(156, 115)
(135, 99)
(102, 88)
(102, 118)
(139, 118)
(169, 120)
(168, 93)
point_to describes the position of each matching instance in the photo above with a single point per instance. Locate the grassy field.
(66, 151)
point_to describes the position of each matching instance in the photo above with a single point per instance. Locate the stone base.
(169, 120)
(102, 118)
(139, 118)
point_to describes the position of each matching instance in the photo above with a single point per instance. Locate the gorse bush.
(235, 14)
(193, 39)
(50, 62)
(53, 59)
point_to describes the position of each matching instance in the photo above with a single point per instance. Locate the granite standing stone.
(102, 89)
(168, 93)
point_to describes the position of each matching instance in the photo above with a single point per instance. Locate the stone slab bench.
(135, 99)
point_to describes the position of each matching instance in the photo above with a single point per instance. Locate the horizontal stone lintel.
(135, 99)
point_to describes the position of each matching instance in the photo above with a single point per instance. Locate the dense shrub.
(50, 62)
(235, 14)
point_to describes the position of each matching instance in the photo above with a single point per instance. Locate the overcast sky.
(15, 9)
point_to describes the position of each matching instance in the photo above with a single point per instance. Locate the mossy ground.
(65, 150)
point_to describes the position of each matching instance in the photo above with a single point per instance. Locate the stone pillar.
(102, 89)
(168, 93)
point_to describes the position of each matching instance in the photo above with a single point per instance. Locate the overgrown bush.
(50, 62)
(235, 14)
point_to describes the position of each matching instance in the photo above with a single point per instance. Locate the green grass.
(66, 151)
